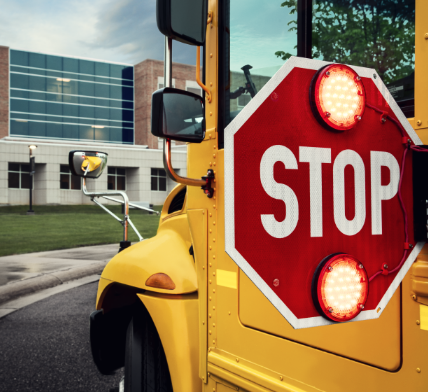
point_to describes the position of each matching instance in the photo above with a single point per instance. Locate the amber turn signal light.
(160, 281)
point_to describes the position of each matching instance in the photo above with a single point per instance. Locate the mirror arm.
(131, 205)
(124, 244)
(106, 210)
(198, 74)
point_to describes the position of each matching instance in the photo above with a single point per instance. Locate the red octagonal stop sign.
(297, 192)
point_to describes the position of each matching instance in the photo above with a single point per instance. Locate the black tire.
(146, 368)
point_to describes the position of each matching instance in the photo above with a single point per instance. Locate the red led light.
(340, 287)
(338, 97)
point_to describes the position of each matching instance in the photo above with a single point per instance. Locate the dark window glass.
(102, 102)
(18, 105)
(162, 172)
(102, 90)
(70, 65)
(70, 110)
(65, 181)
(25, 168)
(18, 69)
(110, 183)
(127, 93)
(116, 114)
(101, 113)
(18, 127)
(111, 170)
(86, 132)
(128, 73)
(54, 62)
(102, 69)
(21, 116)
(40, 72)
(39, 96)
(128, 105)
(19, 81)
(76, 182)
(37, 60)
(120, 183)
(162, 183)
(25, 181)
(86, 78)
(70, 131)
(64, 169)
(86, 89)
(120, 171)
(116, 104)
(154, 184)
(13, 166)
(128, 136)
(37, 83)
(70, 99)
(86, 67)
(19, 58)
(127, 115)
(116, 135)
(14, 180)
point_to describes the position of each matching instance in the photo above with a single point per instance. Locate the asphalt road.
(45, 346)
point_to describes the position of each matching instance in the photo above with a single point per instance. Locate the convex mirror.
(183, 20)
(88, 164)
(178, 115)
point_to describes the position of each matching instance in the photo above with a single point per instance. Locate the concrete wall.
(4, 91)
(49, 156)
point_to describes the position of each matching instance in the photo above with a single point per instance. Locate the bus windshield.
(257, 38)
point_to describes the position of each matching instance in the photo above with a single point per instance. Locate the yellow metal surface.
(198, 229)
(423, 317)
(167, 252)
(380, 347)
(176, 321)
(227, 279)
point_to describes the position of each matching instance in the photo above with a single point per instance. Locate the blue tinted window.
(36, 128)
(18, 127)
(54, 108)
(86, 67)
(54, 62)
(70, 110)
(37, 60)
(86, 111)
(54, 130)
(128, 115)
(86, 89)
(116, 92)
(19, 81)
(37, 107)
(19, 94)
(115, 114)
(102, 90)
(128, 73)
(102, 113)
(19, 58)
(86, 132)
(38, 96)
(102, 69)
(70, 131)
(37, 83)
(116, 70)
(18, 105)
(70, 65)
(127, 93)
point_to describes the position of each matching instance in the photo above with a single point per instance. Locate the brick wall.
(146, 82)
(4, 91)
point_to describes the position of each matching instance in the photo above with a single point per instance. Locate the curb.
(15, 290)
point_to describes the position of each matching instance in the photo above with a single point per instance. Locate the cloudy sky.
(113, 30)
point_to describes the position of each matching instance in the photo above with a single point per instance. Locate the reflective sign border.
(229, 175)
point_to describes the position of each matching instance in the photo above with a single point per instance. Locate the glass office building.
(65, 98)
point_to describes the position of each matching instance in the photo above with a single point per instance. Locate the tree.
(377, 34)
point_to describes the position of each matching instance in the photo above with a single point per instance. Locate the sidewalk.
(29, 273)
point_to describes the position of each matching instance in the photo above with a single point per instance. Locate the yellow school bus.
(175, 310)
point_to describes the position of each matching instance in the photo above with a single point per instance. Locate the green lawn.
(61, 227)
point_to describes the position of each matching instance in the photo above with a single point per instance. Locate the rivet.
(213, 273)
(211, 214)
(210, 332)
(276, 282)
(209, 315)
(214, 196)
(329, 309)
(210, 136)
(414, 297)
(281, 378)
(229, 313)
(361, 306)
(358, 118)
(210, 265)
(214, 222)
(214, 163)
(361, 266)
(214, 291)
(211, 55)
(385, 266)
(211, 84)
(210, 281)
(210, 247)
(358, 78)
(203, 322)
(237, 359)
(214, 342)
(213, 307)
(214, 206)
(203, 267)
(213, 325)
(418, 370)
(418, 322)
(211, 231)
(210, 298)
(426, 35)
(327, 114)
(214, 180)
(374, 76)
(213, 256)
(330, 268)
(211, 113)
(214, 155)
(419, 122)
(327, 73)
(383, 120)
(213, 239)
(211, 163)
(203, 212)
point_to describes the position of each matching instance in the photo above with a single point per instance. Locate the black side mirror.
(178, 115)
(183, 20)
(89, 164)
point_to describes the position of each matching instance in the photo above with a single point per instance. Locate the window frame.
(19, 172)
(157, 179)
(115, 175)
(70, 174)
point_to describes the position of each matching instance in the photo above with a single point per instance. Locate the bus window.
(370, 33)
